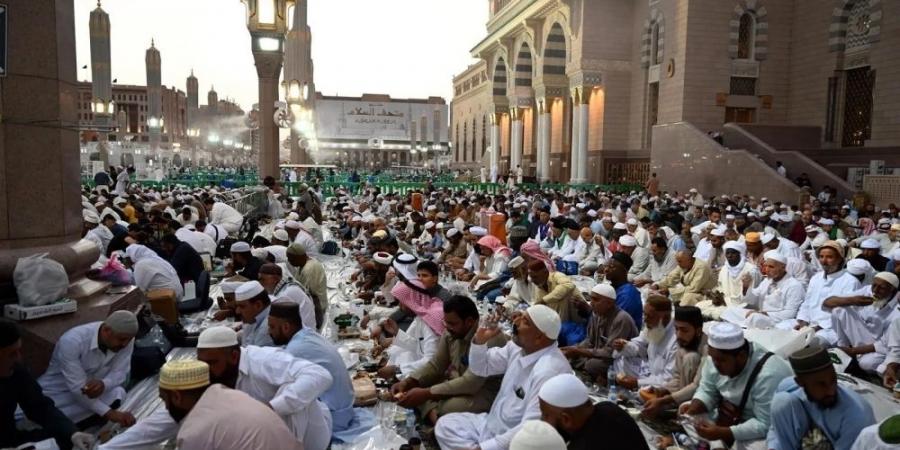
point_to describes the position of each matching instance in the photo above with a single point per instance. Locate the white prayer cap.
(620, 226)
(478, 231)
(516, 262)
(726, 336)
(811, 229)
(545, 319)
(248, 290)
(281, 235)
(119, 201)
(751, 214)
(122, 322)
(858, 267)
(729, 217)
(895, 255)
(564, 391)
(580, 205)
(431, 208)
(693, 191)
(240, 247)
(452, 232)
(592, 213)
(775, 256)
(604, 290)
(824, 221)
(718, 231)
(260, 253)
(537, 435)
(228, 287)
(429, 225)
(766, 238)
(292, 224)
(90, 216)
(383, 258)
(217, 337)
(439, 225)
(627, 241)
(870, 244)
(889, 277)
(843, 242)
(632, 222)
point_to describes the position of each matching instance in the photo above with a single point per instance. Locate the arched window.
(655, 56)
(859, 25)
(746, 36)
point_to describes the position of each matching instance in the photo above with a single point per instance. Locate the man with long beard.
(656, 345)
(688, 362)
(813, 401)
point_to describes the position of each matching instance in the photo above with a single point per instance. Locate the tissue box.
(18, 312)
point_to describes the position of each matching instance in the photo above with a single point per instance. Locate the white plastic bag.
(39, 280)
(782, 342)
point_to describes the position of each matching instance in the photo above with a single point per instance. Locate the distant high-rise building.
(193, 100)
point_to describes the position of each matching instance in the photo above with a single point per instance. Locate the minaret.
(101, 79)
(154, 97)
(298, 67)
(212, 101)
(193, 100)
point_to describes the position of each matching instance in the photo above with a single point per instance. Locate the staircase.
(684, 157)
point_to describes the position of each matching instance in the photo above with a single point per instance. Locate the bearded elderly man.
(531, 359)
(657, 346)
(692, 350)
(690, 282)
(777, 298)
(813, 400)
(831, 280)
(862, 319)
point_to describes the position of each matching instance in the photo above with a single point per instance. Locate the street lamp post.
(267, 24)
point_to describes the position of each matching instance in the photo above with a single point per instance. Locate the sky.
(404, 48)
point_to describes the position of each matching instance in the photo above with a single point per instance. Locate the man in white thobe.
(526, 362)
(288, 385)
(649, 359)
(89, 366)
(201, 242)
(861, 320)
(223, 215)
(777, 298)
(831, 280)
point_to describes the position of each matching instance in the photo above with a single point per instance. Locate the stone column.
(576, 137)
(544, 133)
(40, 201)
(583, 128)
(268, 69)
(517, 138)
(493, 170)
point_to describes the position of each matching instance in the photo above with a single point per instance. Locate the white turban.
(628, 241)
(859, 267)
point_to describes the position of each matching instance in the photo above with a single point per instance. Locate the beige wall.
(605, 37)
(470, 104)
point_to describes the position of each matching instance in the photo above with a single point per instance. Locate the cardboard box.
(18, 312)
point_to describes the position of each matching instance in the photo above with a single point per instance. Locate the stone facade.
(584, 82)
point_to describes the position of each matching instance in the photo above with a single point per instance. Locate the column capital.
(516, 114)
(496, 117)
(586, 78)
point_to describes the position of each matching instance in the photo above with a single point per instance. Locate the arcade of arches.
(573, 90)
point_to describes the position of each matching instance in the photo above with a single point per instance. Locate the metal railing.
(403, 188)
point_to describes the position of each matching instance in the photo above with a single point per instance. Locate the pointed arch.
(499, 80)
(653, 40)
(854, 23)
(555, 51)
(524, 65)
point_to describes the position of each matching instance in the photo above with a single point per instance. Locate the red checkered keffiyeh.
(430, 309)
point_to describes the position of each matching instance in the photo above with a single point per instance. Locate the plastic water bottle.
(410, 424)
(611, 383)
